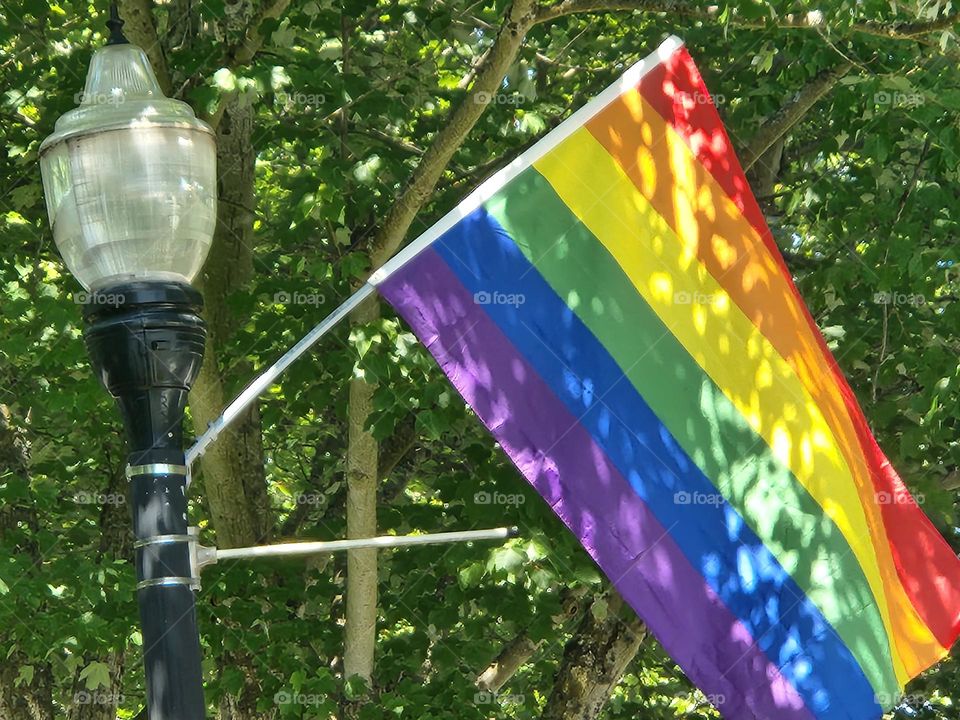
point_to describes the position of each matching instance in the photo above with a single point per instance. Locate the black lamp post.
(130, 184)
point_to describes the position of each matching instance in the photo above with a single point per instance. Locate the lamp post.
(129, 179)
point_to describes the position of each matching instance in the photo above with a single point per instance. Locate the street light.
(130, 184)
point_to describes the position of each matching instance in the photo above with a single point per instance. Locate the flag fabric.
(614, 308)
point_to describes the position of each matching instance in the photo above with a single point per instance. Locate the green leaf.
(95, 675)
(25, 676)
(506, 559)
(354, 688)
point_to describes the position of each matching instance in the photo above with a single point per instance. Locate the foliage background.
(327, 110)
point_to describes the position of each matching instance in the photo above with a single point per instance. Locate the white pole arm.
(208, 556)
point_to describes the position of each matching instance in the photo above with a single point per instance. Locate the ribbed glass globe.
(130, 178)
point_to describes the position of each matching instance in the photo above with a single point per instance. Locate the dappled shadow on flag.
(618, 316)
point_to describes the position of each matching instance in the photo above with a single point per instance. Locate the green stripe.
(701, 418)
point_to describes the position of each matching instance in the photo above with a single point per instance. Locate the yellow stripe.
(761, 385)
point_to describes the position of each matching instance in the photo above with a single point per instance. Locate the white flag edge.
(630, 79)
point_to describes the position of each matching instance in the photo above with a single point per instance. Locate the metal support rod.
(209, 556)
(263, 381)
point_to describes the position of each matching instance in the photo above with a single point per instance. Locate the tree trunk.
(362, 472)
(99, 703)
(115, 542)
(593, 662)
(234, 484)
(26, 686)
(28, 700)
(233, 481)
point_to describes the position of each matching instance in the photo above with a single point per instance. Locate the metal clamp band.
(163, 540)
(168, 582)
(155, 469)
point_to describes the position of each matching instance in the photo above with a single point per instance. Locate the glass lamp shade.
(130, 178)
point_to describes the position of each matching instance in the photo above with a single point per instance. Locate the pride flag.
(614, 308)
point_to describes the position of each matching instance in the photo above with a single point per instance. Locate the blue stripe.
(787, 626)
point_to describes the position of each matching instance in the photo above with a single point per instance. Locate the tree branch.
(249, 45)
(141, 28)
(791, 113)
(520, 18)
(514, 655)
(396, 143)
(521, 648)
(396, 447)
(813, 20)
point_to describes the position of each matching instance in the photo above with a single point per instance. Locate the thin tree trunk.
(99, 703)
(26, 685)
(362, 450)
(362, 473)
(593, 662)
(115, 542)
(233, 480)
(234, 484)
(515, 654)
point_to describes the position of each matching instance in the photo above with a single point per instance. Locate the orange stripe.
(732, 251)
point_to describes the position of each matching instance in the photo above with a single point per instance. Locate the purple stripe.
(586, 491)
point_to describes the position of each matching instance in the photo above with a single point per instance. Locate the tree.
(344, 130)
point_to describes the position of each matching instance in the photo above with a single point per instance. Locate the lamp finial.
(116, 27)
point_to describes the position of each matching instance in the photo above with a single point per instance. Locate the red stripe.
(676, 90)
(926, 565)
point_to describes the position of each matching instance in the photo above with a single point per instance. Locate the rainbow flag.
(613, 307)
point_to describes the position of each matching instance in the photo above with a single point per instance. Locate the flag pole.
(486, 190)
(265, 379)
